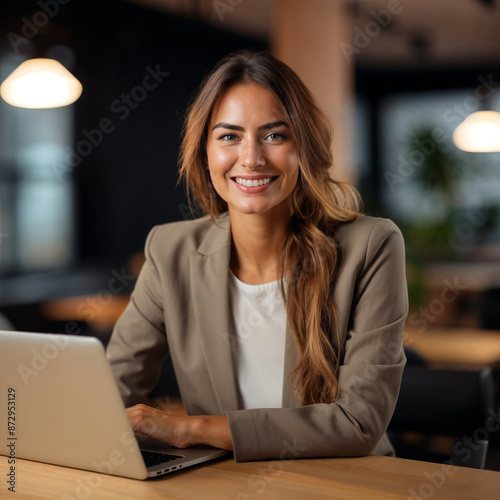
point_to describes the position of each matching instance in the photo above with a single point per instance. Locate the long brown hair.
(310, 257)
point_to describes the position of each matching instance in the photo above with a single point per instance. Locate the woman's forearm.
(213, 430)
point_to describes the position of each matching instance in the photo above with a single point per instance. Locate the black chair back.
(444, 402)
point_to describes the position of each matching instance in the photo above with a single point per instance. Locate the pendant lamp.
(40, 83)
(479, 133)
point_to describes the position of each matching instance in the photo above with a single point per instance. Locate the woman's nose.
(252, 155)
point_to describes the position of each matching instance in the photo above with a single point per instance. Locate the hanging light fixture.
(40, 83)
(479, 133)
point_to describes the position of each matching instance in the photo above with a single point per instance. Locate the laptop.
(59, 404)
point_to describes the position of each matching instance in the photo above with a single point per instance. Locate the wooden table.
(458, 347)
(372, 477)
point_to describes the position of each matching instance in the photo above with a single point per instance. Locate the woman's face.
(251, 155)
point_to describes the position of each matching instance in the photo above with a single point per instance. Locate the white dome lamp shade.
(40, 83)
(479, 133)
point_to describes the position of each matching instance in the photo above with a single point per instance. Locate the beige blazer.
(180, 307)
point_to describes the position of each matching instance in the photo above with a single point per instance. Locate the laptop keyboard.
(155, 458)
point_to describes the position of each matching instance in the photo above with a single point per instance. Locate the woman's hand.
(148, 422)
(179, 430)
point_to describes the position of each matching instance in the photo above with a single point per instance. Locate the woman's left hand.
(179, 430)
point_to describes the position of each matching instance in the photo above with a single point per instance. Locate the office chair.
(443, 402)
(5, 324)
(489, 312)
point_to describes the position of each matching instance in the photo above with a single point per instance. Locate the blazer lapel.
(209, 271)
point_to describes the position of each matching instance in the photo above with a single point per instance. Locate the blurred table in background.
(456, 347)
(100, 312)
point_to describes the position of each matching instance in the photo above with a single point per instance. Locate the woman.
(283, 308)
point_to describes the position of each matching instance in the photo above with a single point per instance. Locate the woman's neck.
(257, 243)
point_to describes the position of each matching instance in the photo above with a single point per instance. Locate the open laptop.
(59, 404)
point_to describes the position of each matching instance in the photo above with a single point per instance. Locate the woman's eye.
(227, 137)
(275, 136)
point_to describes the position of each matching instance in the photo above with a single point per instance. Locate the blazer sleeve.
(138, 344)
(369, 377)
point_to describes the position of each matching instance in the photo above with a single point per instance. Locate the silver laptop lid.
(59, 403)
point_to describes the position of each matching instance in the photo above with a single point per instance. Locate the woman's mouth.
(254, 182)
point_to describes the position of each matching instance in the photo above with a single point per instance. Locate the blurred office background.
(81, 185)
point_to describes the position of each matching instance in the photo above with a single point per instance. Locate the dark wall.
(129, 181)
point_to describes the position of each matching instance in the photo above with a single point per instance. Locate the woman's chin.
(250, 209)
(274, 211)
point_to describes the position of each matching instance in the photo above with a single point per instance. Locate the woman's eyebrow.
(266, 126)
(278, 123)
(228, 126)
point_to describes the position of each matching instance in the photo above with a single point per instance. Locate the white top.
(258, 329)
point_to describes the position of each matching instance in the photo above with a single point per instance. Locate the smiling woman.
(283, 309)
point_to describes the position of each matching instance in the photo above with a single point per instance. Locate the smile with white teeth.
(255, 183)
